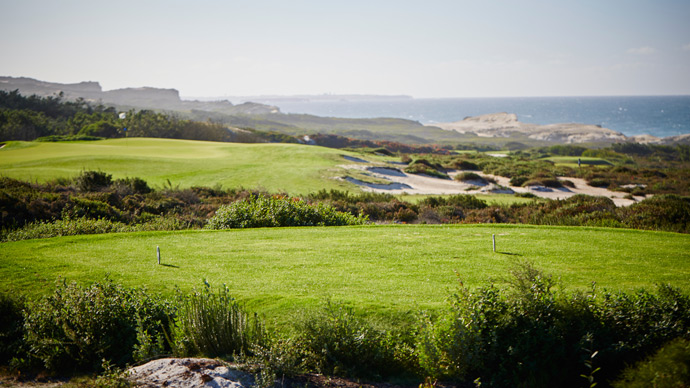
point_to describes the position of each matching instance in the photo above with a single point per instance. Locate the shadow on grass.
(169, 265)
(509, 253)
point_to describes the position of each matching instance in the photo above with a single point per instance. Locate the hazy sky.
(420, 48)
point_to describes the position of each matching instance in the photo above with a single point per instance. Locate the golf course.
(386, 269)
(171, 236)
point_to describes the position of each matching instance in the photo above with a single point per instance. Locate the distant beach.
(659, 116)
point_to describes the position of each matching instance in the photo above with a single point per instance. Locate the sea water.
(660, 116)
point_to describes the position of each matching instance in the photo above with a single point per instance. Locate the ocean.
(659, 116)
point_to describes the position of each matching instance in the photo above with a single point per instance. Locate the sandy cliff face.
(507, 125)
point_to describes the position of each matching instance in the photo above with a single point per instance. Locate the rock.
(188, 373)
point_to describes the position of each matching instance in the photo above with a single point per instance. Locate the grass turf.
(291, 168)
(390, 270)
(571, 161)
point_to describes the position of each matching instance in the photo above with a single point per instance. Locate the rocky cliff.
(138, 98)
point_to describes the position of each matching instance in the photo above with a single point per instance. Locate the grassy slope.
(379, 269)
(293, 168)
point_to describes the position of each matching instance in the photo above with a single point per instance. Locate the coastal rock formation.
(140, 98)
(507, 125)
(188, 373)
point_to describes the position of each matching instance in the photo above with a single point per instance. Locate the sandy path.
(403, 183)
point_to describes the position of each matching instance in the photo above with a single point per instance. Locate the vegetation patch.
(424, 166)
(264, 211)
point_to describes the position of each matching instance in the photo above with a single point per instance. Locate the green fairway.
(296, 169)
(380, 270)
(571, 161)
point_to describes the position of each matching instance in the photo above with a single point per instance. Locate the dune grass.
(292, 168)
(380, 270)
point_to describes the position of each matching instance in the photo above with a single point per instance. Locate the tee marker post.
(493, 237)
(158, 254)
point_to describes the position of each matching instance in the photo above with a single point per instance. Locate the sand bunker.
(404, 183)
(353, 159)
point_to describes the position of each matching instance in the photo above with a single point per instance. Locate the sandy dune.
(507, 125)
(404, 183)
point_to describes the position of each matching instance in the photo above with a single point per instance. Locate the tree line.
(53, 118)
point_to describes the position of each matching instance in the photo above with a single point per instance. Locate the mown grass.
(380, 270)
(571, 161)
(291, 168)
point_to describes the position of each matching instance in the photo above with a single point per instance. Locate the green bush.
(423, 166)
(335, 341)
(76, 326)
(133, 185)
(463, 201)
(93, 181)
(88, 208)
(669, 367)
(214, 324)
(518, 180)
(599, 182)
(469, 176)
(661, 212)
(99, 129)
(11, 327)
(465, 165)
(529, 335)
(263, 211)
(78, 226)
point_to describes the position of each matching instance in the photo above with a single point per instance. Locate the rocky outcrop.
(29, 86)
(507, 125)
(188, 373)
(141, 98)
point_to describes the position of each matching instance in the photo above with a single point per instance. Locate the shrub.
(11, 327)
(263, 211)
(532, 336)
(423, 166)
(463, 201)
(465, 165)
(518, 180)
(65, 227)
(599, 182)
(669, 367)
(88, 208)
(335, 341)
(566, 150)
(93, 181)
(99, 129)
(469, 176)
(133, 185)
(214, 324)
(77, 326)
(547, 182)
(661, 212)
(78, 226)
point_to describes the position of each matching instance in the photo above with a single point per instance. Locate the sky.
(426, 49)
